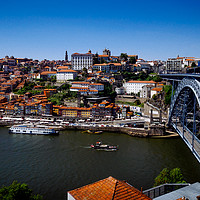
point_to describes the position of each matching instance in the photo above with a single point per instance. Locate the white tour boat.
(26, 129)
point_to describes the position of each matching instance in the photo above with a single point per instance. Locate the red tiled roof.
(109, 188)
(63, 67)
(68, 70)
(96, 84)
(80, 83)
(141, 82)
(132, 55)
(103, 56)
(116, 64)
(157, 89)
(51, 72)
(104, 64)
(80, 88)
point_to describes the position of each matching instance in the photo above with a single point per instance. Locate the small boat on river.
(106, 147)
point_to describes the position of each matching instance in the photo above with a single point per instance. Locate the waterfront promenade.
(132, 127)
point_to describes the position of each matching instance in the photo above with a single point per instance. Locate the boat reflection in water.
(105, 147)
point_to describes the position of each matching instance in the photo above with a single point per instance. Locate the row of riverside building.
(39, 105)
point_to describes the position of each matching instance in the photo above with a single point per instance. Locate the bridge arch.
(185, 83)
(184, 113)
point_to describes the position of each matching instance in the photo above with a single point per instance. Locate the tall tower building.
(106, 52)
(66, 56)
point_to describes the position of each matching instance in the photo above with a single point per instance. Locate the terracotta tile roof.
(81, 88)
(141, 82)
(67, 70)
(80, 83)
(63, 67)
(157, 89)
(103, 56)
(46, 73)
(132, 55)
(81, 54)
(116, 64)
(93, 90)
(96, 84)
(109, 188)
(104, 64)
(189, 59)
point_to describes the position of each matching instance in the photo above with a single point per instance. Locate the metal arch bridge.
(184, 112)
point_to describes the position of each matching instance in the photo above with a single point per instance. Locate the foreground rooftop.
(109, 188)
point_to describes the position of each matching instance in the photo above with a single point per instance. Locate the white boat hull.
(32, 131)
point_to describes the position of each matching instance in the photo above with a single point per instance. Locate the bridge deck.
(190, 139)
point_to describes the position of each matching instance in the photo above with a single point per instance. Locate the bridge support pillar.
(151, 117)
(160, 117)
(194, 123)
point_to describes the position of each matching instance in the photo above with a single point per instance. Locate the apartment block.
(136, 86)
(81, 61)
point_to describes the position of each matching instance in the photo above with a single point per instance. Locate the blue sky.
(152, 29)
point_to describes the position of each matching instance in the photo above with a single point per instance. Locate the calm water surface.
(52, 165)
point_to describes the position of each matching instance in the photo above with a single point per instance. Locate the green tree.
(176, 176)
(157, 78)
(18, 191)
(154, 97)
(163, 177)
(168, 93)
(137, 102)
(193, 64)
(84, 72)
(95, 59)
(169, 176)
(132, 60)
(124, 56)
(53, 79)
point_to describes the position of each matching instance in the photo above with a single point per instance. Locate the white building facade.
(136, 86)
(64, 75)
(86, 87)
(81, 61)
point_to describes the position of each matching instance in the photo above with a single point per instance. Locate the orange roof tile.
(96, 84)
(104, 64)
(132, 55)
(81, 88)
(67, 70)
(63, 67)
(80, 83)
(109, 188)
(93, 90)
(46, 73)
(103, 56)
(116, 64)
(141, 81)
(189, 59)
(157, 89)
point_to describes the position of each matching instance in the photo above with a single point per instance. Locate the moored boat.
(92, 132)
(26, 129)
(106, 147)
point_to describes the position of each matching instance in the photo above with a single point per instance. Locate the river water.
(53, 165)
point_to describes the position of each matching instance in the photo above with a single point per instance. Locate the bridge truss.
(184, 113)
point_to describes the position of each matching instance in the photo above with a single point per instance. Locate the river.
(53, 165)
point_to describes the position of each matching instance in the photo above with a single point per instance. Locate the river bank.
(131, 131)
